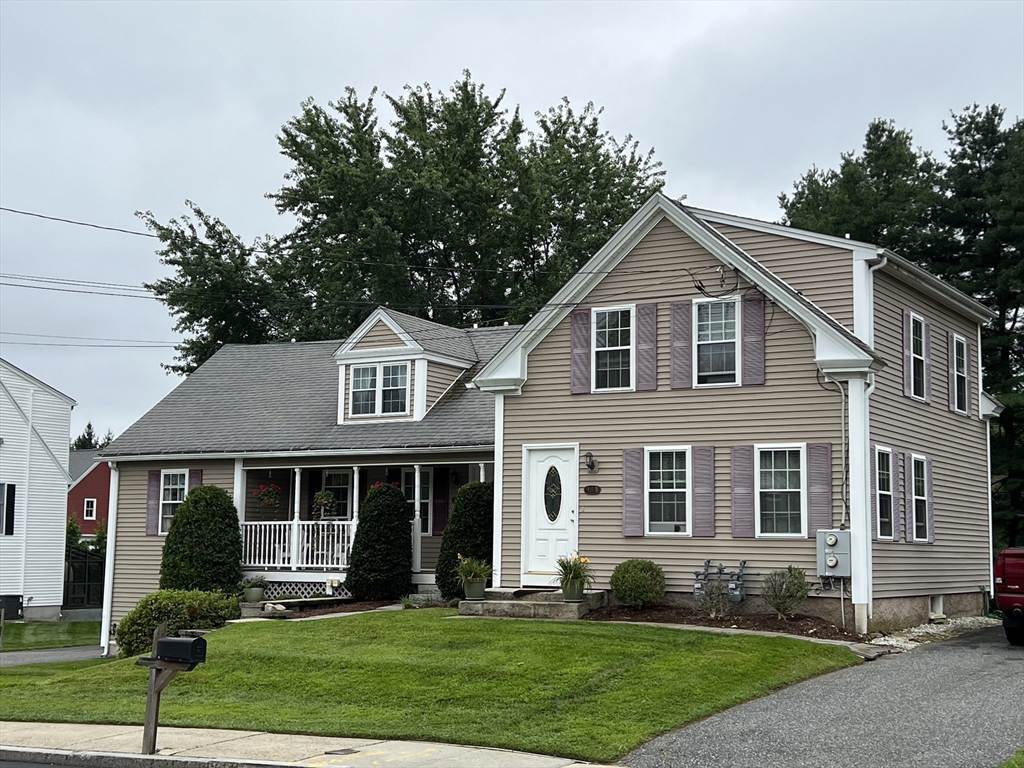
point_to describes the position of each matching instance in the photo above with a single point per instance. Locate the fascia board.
(326, 453)
(780, 229)
(930, 285)
(990, 407)
(33, 380)
(378, 315)
(378, 354)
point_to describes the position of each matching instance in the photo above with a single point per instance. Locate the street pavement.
(75, 653)
(958, 703)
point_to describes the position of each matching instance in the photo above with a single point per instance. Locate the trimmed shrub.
(181, 609)
(638, 583)
(785, 590)
(713, 600)
(470, 533)
(380, 567)
(203, 549)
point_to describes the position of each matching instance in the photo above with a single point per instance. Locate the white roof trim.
(33, 380)
(917, 277)
(506, 372)
(379, 315)
(96, 462)
(990, 407)
(782, 230)
(326, 453)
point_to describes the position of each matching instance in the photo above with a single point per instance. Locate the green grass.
(1015, 760)
(32, 635)
(590, 690)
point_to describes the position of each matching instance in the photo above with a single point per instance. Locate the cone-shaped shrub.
(203, 549)
(469, 533)
(380, 567)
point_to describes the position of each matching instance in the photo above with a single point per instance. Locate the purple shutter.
(819, 487)
(898, 514)
(951, 345)
(930, 496)
(908, 498)
(970, 388)
(646, 347)
(873, 504)
(908, 367)
(580, 375)
(927, 361)
(753, 338)
(440, 499)
(682, 345)
(633, 492)
(153, 503)
(704, 490)
(743, 492)
(195, 477)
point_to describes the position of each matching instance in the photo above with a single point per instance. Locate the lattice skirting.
(302, 588)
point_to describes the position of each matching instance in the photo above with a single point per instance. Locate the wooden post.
(160, 675)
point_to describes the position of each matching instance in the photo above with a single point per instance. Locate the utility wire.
(78, 223)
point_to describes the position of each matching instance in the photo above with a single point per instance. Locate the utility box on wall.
(834, 554)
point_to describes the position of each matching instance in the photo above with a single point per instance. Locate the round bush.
(181, 609)
(638, 583)
(469, 533)
(380, 567)
(203, 549)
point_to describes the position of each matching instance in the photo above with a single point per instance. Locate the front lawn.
(580, 689)
(33, 635)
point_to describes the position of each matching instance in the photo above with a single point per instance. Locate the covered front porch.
(286, 539)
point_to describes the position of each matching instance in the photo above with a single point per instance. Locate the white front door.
(550, 496)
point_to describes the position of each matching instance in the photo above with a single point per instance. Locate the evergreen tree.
(469, 533)
(203, 548)
(380, 566)
(85, 441)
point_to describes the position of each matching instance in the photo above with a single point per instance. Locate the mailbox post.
(171, 655)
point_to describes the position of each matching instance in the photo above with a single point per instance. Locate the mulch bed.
(367, 605)
(797, 624)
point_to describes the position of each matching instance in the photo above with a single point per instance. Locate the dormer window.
(382, 388)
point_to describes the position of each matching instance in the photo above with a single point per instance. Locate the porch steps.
(531, 604)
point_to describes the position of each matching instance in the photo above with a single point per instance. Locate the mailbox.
(190, 650)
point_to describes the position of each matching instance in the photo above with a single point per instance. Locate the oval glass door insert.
(552, 494)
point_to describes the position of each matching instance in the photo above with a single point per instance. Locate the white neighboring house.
(35, 427)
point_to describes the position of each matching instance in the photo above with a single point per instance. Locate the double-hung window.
(920, 498)
(613, 347)
(89, 512)
(917, 359)
(716, 342)
(382, 388)
(173, 487)
(337, 481)
(780, 494)
(426, 497)
(667, 495)
(959, 364)
(883, 491)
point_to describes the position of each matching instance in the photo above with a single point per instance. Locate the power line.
(73, 290)
(78, 223)
(86, 346)
(73, 281)
(82, 338)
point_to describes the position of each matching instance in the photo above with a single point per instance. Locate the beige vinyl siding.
(790, 407)
(439, 378)
(822, 273)
(350, 419)
(137, 556)
(959, 560)
(380, 336)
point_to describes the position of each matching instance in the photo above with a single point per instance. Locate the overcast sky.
(109, 108)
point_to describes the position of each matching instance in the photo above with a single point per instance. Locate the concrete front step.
(531, 604)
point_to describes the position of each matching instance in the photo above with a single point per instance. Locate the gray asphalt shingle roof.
(80, 460)
(284, 397)
(434, 337)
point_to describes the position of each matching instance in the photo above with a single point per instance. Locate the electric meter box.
(834, 554)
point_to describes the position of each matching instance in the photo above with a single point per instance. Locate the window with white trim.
(426, 496)
(920, 498)
(917, 365)
(959, 364)
(883, 493)
(613, 347)
(89, 510)
(7, 509)
(173, 487)
(780, 494)
(379, 389)
(716, 342)
(667, 500)
(339, 483)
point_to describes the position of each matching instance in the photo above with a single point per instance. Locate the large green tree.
(89, 439)
(455, 211)
(961, 218)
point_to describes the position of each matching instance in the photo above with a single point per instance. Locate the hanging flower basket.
(268, 495)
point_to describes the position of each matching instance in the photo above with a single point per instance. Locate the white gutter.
(299, 454)
(108, 565)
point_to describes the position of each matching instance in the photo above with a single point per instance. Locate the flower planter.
(253, 594)
(572, 591)
(474, 588)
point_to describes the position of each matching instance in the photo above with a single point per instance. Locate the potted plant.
(253, 587)
(323, 504)
(574, 576)
(473, 573)
(268, 495)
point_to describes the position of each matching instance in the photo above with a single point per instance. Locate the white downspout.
(108, 565)
(416, 531)
(499, 450)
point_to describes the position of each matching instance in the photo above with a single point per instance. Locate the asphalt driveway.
(957, 703)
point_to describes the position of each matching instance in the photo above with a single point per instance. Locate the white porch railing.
(297, 544)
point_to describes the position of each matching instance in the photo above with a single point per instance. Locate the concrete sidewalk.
(117, 746)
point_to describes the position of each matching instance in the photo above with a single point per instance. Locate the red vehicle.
(1010, 584)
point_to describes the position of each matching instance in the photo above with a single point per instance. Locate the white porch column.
(355, 512)
(860, 503)
(239, 490)
(417, 551)
(295, 522)
(483, 472)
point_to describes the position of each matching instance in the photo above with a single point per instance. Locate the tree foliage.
(380, 566)
(455, 211)
(469, 533)
(203, 549)
(88, 439)
(961, 218)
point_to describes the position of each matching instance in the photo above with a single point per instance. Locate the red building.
(89, 493)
